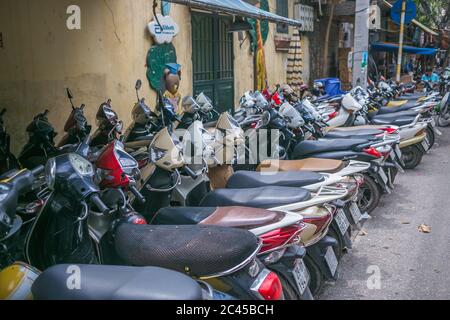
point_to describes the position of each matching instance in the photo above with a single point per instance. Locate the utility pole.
(400, 42)
(361, 43)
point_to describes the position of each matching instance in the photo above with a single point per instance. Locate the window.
(283, 10)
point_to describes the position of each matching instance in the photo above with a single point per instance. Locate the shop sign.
(165, 30)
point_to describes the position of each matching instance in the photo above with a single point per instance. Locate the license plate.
(393, 155)
(383, 175)
(342, 221)
(425, 145)
(301, 275)
(355, 212)
(331, 260)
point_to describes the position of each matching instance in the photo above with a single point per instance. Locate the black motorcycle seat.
(395, 115)
(197, 250)
(182, 215)
(262, 197)
(395, 122)
(353, 133)
(309, 147)
(102, 282)
(407, 106)
(253, 179)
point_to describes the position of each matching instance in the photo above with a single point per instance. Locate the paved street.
(413, 265)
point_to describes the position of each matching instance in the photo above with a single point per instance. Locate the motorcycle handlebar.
(191, 173)
(137, 194)
(99, 204)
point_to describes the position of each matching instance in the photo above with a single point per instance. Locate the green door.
(212, 59)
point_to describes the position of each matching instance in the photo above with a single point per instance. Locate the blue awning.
(391, 47)
(239, 8)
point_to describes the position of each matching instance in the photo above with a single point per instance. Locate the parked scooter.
(77, 226)
(40, 145)
(76, 127)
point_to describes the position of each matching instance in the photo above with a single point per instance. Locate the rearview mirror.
(69, 94)
(138, 84)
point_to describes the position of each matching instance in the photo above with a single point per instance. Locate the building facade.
(40, 57)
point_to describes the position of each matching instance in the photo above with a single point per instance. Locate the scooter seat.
(354, 133)
(252, 179)
(233, 217)
(263, 197)
(310, 164)
(101, 282)
(403, 121)
(396, 115)
(308, 147)
(198, 250)
(389, 110)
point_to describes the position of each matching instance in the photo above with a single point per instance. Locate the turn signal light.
(268, 286)
(373, 152)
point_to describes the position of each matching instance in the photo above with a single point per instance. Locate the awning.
(417, 23)
(239, 8)
(391, 47)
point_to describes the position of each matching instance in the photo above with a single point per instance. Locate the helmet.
(16, 281)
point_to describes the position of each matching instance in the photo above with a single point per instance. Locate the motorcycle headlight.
(50, 173)
(156, 154)
(82, 166)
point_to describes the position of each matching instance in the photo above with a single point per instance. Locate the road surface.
(394, 260)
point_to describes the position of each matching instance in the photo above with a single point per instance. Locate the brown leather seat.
(242, 217)
(310, 164)
(235, 216)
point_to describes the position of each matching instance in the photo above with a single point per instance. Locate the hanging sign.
(165, 32)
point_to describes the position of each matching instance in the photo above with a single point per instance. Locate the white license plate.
(393, 155)
(355, 212)
(383, 175)
(331, 260)
(342, 221)
(301, 275)
(425, 145)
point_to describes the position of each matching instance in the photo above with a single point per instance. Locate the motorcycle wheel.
(369, 195)
(431, 138)
(394, 172)
(289, 292)
(442, 121)
(339, 250)
(317, 279)
(412, 156)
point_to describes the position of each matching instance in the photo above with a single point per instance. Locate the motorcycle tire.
(431, 137)
(412, 156)
(369, 195)
(317, 279)
(339, 250)
(394, 172)
(289, 292)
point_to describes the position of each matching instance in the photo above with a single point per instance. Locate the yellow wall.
(41, 57)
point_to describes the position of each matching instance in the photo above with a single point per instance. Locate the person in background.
(430, 76)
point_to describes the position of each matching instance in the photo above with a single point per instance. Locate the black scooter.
(66, 232)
